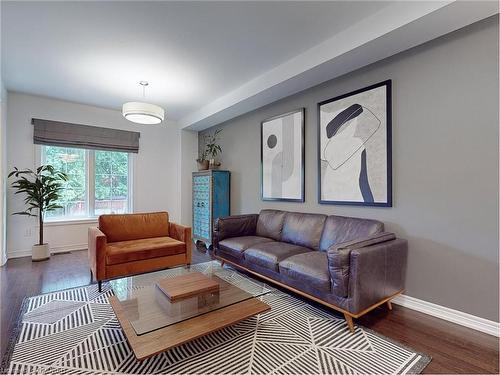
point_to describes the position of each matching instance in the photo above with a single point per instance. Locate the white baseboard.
(467, 320)
(53, 250)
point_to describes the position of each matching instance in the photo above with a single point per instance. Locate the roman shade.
(64, 134)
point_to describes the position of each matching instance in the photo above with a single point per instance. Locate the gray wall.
(445, 163)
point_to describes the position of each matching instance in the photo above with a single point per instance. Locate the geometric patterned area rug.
(76, 332)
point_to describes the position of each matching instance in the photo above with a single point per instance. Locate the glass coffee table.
(153, 323)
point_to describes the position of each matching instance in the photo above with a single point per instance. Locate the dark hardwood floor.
(454, 349)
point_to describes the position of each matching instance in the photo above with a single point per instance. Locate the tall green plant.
(42, 188)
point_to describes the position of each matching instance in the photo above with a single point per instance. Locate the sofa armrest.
(97, 242)
(339, 259)
(234, 226)
(377, 272)
(182, 233)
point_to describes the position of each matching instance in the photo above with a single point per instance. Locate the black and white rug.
(76, 332)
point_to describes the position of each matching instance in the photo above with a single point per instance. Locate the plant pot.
(213, 164)
(40, 252)
(202, 165)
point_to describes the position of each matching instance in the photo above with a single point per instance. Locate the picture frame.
(355, 147)
(282, 152)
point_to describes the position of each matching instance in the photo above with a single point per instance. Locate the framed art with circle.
(282, 157)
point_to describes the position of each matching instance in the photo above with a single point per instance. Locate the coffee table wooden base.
(155, 342)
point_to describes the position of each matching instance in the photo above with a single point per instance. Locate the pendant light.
(141, 112)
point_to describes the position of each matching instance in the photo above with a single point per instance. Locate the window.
(99, 182)
(73, 162)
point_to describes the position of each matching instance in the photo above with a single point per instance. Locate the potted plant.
(42, 188)
(212, 148)
(202, 161)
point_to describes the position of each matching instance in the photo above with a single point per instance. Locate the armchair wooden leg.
(222, 263)
(350, 323)
(389, 305)
(99, 285)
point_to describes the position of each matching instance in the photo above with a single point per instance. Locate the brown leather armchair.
(129, 244)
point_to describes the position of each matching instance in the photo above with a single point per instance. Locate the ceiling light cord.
(144, 84)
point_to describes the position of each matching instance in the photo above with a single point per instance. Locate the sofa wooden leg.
(350, 323)
(99, 286)
(222, 263)
(91, 275)
(389, 305)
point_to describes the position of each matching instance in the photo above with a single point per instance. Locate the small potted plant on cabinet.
(202, 161)
(211, 148)
(42, 188)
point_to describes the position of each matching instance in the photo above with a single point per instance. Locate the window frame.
(90, 186)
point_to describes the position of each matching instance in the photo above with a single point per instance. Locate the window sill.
(56, 223)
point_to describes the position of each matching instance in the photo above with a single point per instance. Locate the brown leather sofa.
(348, 264)
(136, 243)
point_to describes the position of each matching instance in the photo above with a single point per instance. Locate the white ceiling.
(191, 53)
(208, 61)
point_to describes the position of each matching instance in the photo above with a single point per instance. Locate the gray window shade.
(64, 134)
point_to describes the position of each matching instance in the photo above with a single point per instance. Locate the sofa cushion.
(339, 229)
(310, 268)
(147, 248)
(303, 229)
(270, 224)
(269, 254)
(236, 225)
(127, 227)
(235, 246)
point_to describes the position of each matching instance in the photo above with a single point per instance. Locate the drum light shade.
(143, 113)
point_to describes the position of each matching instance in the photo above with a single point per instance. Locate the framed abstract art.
(354, 148)
(282, 157)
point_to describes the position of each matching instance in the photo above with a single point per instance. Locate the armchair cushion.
(310, 268)
(147, 248)
(339, 259)
(128, 227)
(269, 254)
(235, 246)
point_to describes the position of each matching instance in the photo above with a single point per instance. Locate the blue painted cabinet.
(211, 200)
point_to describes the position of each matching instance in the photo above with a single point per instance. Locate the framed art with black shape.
(355, 148)
(282, 157)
